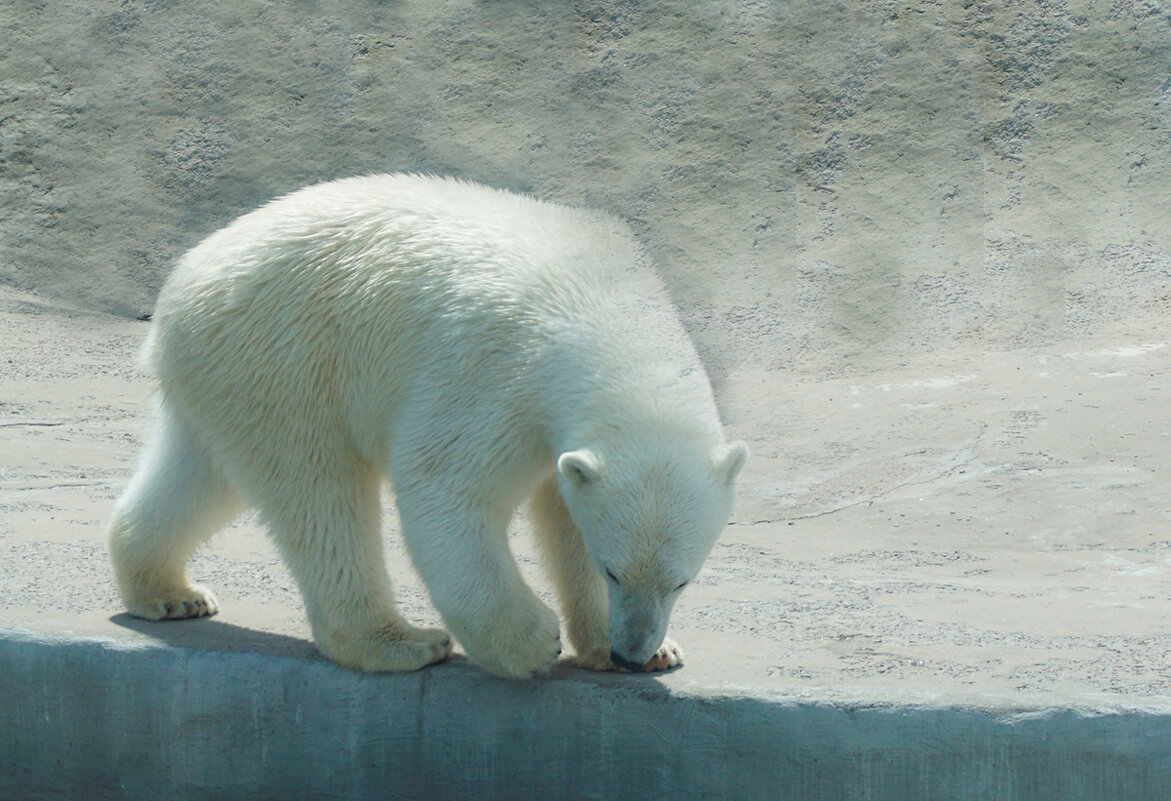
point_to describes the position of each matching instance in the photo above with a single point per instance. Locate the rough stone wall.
(826, 185)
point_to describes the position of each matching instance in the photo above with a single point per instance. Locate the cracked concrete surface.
(987, 526)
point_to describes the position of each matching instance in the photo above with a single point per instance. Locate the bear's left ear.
(728, 460)
(581, 466)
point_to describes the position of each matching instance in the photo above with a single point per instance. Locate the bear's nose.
(621, 661)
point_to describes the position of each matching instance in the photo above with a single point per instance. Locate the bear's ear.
(728, 460)
(581, 466)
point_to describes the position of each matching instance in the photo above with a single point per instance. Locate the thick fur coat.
(474, 347)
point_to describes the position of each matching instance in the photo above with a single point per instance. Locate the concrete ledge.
(98, 719)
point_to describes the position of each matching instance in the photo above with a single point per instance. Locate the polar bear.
(474, 347)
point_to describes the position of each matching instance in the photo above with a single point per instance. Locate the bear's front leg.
(581, 588)
(461, 551)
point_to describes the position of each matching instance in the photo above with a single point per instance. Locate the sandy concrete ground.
(990, 528)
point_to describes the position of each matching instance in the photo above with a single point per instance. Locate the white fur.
(474, 347)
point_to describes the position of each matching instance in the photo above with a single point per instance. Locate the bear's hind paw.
(180, 604)
(393, 650)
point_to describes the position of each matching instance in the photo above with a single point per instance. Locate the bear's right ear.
(581, 466)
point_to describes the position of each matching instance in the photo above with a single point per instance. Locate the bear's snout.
(637, 627)
(621, 661)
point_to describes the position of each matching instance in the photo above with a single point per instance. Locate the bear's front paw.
(669, 655)
(517, 647)
(595, 658)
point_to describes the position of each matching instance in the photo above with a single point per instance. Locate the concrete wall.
(826, 185)
(98, 720)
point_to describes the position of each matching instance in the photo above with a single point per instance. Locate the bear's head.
(649, 513)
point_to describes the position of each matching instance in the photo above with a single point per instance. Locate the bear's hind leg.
(330, 538)
(176, 500)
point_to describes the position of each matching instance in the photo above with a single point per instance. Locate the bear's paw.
(396, 648)
(669, 655)
(520, 646)
(178, 604)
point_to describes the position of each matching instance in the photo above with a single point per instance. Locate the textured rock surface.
(826, 185)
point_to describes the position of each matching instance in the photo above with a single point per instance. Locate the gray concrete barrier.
(96, 719)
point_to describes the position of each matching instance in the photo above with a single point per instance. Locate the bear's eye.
(611, 576)
(681, 586)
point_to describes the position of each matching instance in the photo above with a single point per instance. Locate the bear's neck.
(604, 384)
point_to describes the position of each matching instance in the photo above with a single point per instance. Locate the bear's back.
(373, 280)
(344, 305)
(439, 245)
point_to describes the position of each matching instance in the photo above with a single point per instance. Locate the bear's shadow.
(208, 634)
